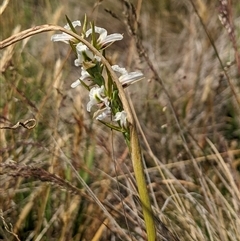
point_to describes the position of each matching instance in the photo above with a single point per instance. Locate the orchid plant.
(106, 96)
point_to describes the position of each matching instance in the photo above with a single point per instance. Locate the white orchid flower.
(104, 38)
(126, 78)
(122, 117)
(82, 50)
(84, 76)
(97, 96)
(63, 37)
(103, 113)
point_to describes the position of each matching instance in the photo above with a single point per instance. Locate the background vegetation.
(188, 108)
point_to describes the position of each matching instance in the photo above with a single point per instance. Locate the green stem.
(141, 184)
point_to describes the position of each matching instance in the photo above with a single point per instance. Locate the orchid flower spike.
(63, 37)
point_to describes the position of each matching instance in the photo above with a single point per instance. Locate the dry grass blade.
(3, 6)
(229, 175)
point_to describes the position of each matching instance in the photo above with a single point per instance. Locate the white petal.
(103, 37)
(74, 23)
(130, 78)
(83, 48)
(84, 74)
(103, 114)
(97, 58)
(61, 37)
(101, 31)
(96, 93)
(90, 104)
(78, 62)
(111, 38)
(96, 96)
(122, 117)
(75, 83)
(119, 70)
(103, 34)
(89, 53)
